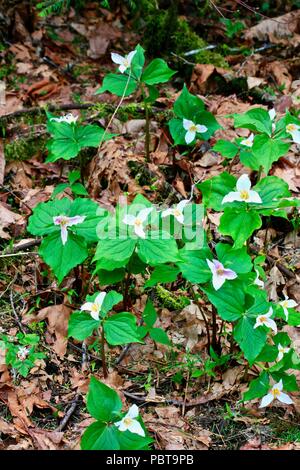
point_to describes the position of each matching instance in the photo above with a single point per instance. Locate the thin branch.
(68, 415)
(11, 298)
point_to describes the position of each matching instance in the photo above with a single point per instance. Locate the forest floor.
(61, 61)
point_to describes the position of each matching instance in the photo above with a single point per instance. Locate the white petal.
(136, 428)
(129, 219)
(57, 219)
(167, 212)
(296, 136)
(271, 324)
(131, 55)
(143, 214)
(187, 124)
(190, 136)
(122, 68)
(254, 197)
(64, 234)
(246, 142)
(211, 266)
(180, 218)
(218, 281)
(286, 313)
(121, 425)
(95, 315)
(139, 231)
(269, 313)
(78, 219)
(181, 205)
(272, 114)
(284, 398)
(280, 356)
(133, 412)
(257, 323)
(229, 274)
(291, 303)
(266, 400)
(258, 281)
(201, 129)
(99, 299)
(243, 183)
(87, 306)
(117, 58)
(279, 385)
(231, 197)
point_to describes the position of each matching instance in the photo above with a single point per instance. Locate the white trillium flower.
(272, 114)
(282, 350)
(286, 304)
(243, 193)
(249, 141)
(123, 62)
(258, 282)
(266, 320)
(294, 130)
(219, 273)
(22, 353)
(191, 129)
(68, 118)
(177, 211)
(66, 222)
(94, 307)
(275, 392)
(130, 423)
(137, 221)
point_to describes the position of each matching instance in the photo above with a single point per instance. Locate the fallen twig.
(11, 298)
(287, 272)
(68, 415)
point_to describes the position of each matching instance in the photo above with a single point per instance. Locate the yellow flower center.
(177, 212)
(193, 128)
(128, 421)
(126, 63)
(263, 319)
(244, 194)
(95, 308)
(138, 222)
(63, 221)
(291, 128)
(220, 271)
(275, 392)
(284, 303)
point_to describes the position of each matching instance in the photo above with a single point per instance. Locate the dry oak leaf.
(283, 29)
(46, 440)
(7, 219)
(58, 318)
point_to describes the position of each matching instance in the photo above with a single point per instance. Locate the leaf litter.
(34, 405)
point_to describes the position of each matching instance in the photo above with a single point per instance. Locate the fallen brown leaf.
(8, 219)
(58, 317)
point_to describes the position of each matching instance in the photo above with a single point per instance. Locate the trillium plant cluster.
(163, 245)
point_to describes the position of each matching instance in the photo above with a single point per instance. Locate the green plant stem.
(81, 168)
(203, 316)
(214, 341)
(126, 291)
(147, 133)
(104, 367)
(259, 173)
